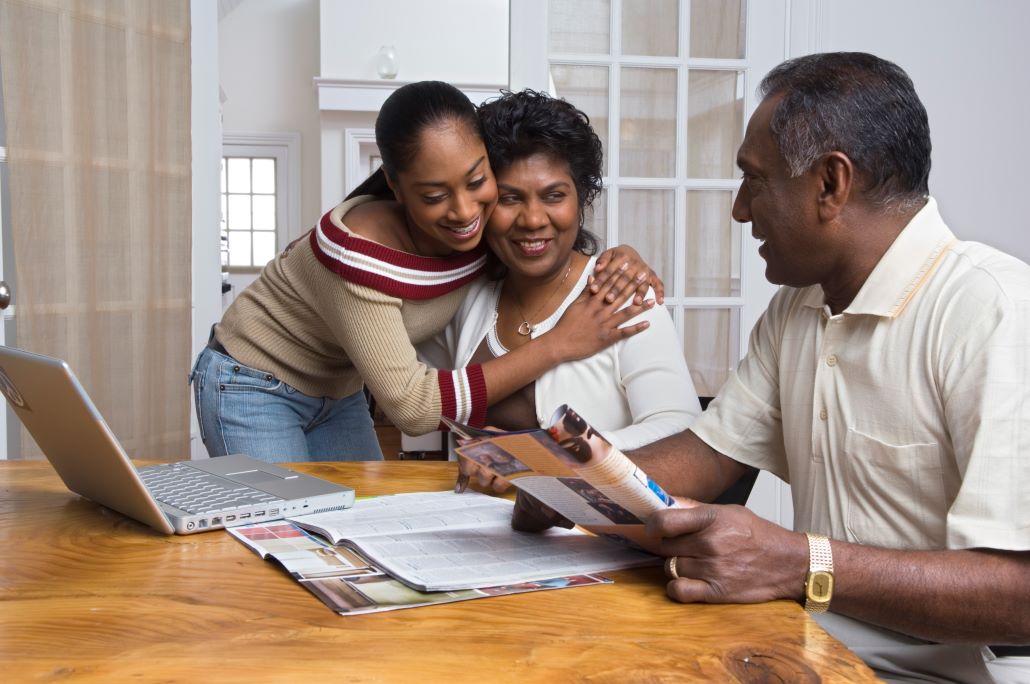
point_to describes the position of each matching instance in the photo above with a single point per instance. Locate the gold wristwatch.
(819, 581)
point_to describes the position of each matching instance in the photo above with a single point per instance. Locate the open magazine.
(442, 541)
(350, 585)
(572, 468)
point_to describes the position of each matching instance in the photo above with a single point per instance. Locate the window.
(260, 194)
(249, 194)
(667, 85)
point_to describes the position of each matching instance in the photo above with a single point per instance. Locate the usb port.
(216, 521)
(258, 514)
(244, 516)
(230, 518)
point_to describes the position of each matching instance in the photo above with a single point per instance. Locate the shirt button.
(822, 414)
(831, 360)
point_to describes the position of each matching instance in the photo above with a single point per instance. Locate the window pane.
(717, 28)
(649, 27)
(264, 212)
(586, 87)
(239, 248)
(581, 26)
(648, 126)
(238, 174)
(711, 342)
(715, 122)
(264, 247)
(264, 175)
(647, 223)
(713, 245)
(596, 218)
(239, 211)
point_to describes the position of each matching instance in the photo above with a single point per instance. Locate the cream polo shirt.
(903, 422)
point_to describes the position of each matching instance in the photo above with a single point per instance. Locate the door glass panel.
(649, 27)
(264, 247)
(580, 26)
(596, 218)
(264, 175)
(264, 212)
(239, 212)
(715, 122)
(647, 148)
(239, 247)
(711, 342)
(647, 223)
(717, 28)
(586, 87)
(238, 174)
(713, 245)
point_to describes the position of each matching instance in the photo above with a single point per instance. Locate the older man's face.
(782, 210)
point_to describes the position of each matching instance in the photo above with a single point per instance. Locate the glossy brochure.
(573, 469)
(350, 585)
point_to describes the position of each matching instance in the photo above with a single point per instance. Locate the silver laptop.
(183, 497)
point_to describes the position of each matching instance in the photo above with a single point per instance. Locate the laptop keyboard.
(195, 491)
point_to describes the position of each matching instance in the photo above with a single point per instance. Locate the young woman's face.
(448, 190)
(534, 227)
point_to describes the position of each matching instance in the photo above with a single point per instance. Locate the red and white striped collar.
(391, 271)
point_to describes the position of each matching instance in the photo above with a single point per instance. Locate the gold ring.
(670, 567)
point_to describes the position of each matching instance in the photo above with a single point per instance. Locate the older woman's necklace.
(525, 327)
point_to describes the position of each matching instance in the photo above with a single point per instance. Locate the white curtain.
(97, 104)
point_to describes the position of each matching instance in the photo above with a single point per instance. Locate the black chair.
(740, 490)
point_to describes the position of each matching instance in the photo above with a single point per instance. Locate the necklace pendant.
(525, 329)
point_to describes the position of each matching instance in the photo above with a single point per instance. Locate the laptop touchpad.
(256, 478)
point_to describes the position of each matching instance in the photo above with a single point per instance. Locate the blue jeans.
(243, 410)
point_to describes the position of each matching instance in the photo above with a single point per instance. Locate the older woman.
(547, 162)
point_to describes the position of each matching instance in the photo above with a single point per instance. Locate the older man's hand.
(727, 554)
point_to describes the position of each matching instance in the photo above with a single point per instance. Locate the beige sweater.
(334, 310)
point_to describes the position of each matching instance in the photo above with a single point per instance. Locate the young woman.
(282, 376)
(548, 164)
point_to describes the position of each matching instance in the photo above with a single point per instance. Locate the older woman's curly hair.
(519, 125)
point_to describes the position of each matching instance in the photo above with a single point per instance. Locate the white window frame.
(780, 21)
(285, 149)
(359, 147)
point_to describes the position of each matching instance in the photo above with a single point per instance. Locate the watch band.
(819, 581)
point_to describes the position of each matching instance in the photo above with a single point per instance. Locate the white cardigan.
(635, 392)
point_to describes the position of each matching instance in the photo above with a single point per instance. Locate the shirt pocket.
(895, 493)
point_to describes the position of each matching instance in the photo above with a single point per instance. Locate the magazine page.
(573, 469)
(443, 541)
(404, 513)
(349, 585)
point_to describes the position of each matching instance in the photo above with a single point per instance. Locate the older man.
(888, 382)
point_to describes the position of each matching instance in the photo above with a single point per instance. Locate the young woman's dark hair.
(519, 125)
(404, 115)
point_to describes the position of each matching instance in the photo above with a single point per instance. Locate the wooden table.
(87, 595)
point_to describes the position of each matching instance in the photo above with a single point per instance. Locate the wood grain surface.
(87, 595)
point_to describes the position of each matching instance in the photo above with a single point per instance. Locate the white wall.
(969, 62)
(460, 41)
(268, 60)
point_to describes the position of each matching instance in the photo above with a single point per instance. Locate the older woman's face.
(534, 226)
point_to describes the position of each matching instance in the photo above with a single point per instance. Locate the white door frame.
(528, 68)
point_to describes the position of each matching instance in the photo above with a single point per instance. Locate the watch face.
(819, 587)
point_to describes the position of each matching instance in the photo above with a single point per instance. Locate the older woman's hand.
(487, 480)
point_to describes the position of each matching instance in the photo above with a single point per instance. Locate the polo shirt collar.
(902, 270)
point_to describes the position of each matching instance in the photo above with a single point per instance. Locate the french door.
(668, 86)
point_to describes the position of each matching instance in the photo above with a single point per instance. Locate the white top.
(903, 422)
(635, 392)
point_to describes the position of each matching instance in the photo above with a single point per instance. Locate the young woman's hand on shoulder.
(592, 324)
